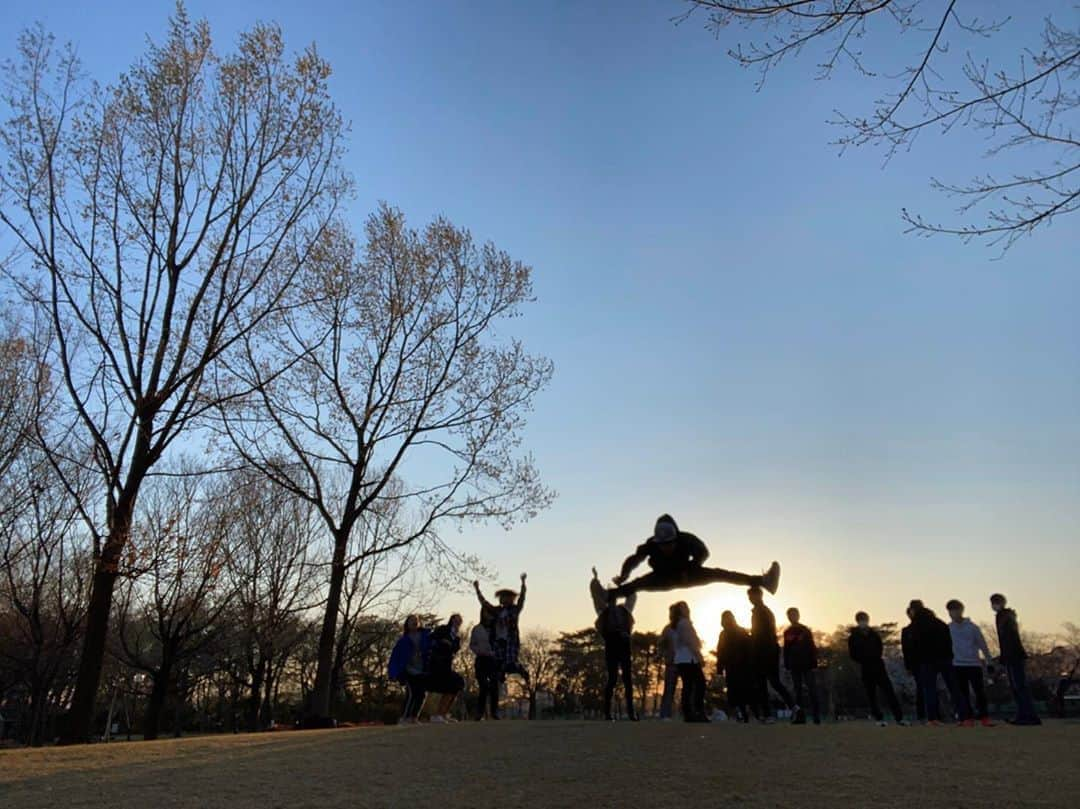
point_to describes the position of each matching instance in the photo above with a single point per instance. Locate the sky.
(743, 334)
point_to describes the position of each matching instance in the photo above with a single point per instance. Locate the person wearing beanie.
(676, 559)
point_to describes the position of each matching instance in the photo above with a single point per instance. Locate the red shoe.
(986, 723)
(967, 723)
(933, 723)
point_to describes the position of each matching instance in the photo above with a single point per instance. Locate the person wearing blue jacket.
(409, 665)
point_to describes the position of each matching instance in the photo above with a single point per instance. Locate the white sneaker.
(438, 719)
(450, 720)
(904, 723)
(881, 723)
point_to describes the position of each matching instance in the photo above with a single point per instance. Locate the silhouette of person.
(866, 648)
(505, 633)
(800, 658)
(733, 660)
(932, 648)
(907, 649)
(1012, 658)
(486, 666)
(409, 666)
(765, 655)
(442, 679)
(667, 644)
(688, 660)
(615, 623)
(676, 559)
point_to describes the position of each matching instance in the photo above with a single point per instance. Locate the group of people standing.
(748, 659)
(423, 659)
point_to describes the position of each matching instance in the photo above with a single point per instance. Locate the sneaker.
(438, 720)
(904, 723)
(967, 723)
(987, 723)
(933, 723)
(771, 580)
(665, 719)
(881, 723)
(450, 720)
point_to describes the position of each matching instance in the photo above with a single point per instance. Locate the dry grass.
(592, 764)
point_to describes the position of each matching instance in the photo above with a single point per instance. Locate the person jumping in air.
(505, 634)
(677, 558)
(615, 623)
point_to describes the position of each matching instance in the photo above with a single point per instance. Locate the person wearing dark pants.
(968, 643)
(677, 558)
(766, 655)
(866, 648)
(1013, 657)
(442, 679)
(688, 661)
(615, 623)
(907, 648)
(486, 667)
(409, 666)
(671, 673)
(933, 653)
(733, 660)
(800, 659)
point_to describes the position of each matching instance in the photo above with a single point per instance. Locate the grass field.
(590, 764)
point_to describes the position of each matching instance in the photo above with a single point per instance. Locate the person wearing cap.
(677, 560)
(1012, 658)
(615, 623)
(505, 634)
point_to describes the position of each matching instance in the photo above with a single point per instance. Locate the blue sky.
(742, 333)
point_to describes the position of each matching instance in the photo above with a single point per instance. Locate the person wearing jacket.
(486, 667)
(666, 649)
(688, 660)
(615, 623)
(677, 560)
(409, 665)
(800, 659)
(866, 649)
(442, 679)
(907, 649)
(765, 655)
(1012, 658)
(934, 656)
(505, 633)
(968, 643)
(733, 661)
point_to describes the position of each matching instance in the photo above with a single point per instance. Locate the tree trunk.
(318, 713)
(154, 705)
(80, 718)
(38, 699)
(251, 720)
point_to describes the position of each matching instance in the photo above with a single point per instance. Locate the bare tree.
(274, 576)
(45, 564)
(395, 389)
(1029, 107)
(175, 588)
(161, 218)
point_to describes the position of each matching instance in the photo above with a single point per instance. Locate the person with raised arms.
(615, 623)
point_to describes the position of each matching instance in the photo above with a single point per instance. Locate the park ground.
(554, 763)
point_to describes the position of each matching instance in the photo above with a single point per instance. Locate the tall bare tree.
(396, 389)
(1029, 107)
(162, 218)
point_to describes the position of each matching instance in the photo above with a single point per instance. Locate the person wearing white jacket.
(688, 662)
(968, 644)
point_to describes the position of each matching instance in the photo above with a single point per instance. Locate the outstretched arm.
(483, 601)
(598, 593)
(632, 561)
(521, 595)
